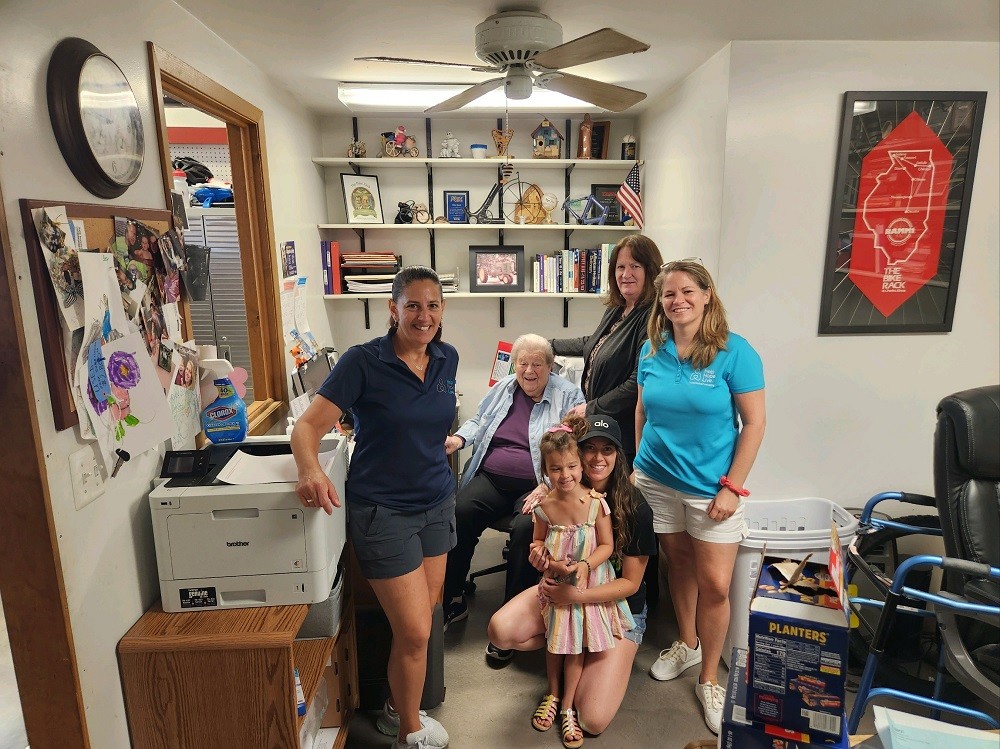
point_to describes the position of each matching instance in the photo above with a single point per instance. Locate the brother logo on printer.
(237, 543)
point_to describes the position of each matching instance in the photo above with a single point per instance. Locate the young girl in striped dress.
(574, 523)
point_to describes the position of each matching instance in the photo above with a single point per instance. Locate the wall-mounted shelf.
(501, 296)
(406, 162)
(481, 227)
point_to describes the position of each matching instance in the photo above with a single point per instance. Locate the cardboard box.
(738, 732)
(799, 630)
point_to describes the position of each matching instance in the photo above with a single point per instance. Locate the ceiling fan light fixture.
(518, 84)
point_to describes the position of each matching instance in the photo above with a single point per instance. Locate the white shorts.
(674, 512)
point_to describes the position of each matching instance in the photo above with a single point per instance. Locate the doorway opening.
(250, 234)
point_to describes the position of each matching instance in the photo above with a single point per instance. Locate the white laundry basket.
(790, 528)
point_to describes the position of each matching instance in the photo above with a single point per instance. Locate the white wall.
(682, 140)
(847, 415)
(106, 548)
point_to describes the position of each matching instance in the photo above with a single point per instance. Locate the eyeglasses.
(674, 263)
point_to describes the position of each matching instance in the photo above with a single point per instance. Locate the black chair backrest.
(967, 476)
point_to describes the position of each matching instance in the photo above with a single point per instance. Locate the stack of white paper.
(244, 468)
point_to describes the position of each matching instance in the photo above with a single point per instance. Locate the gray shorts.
(392, 543)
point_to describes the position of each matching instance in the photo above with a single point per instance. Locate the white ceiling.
(308, 46)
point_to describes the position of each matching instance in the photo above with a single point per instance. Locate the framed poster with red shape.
(502, 364)
(901, 200)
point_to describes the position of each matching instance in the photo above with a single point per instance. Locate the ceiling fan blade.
(597, 46)
(411, 61)
(604, 95)
(460, 100)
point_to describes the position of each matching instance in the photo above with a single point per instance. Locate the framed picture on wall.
(494, 268)
(362, 199)
(904, 177)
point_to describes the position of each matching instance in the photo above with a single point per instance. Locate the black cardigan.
(612, 389)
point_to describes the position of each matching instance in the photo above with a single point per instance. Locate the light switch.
(87, 472)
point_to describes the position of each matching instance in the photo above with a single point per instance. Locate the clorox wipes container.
(225, 418)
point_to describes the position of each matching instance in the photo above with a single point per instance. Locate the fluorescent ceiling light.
(416, 97)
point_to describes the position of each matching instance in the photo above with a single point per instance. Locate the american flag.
(628, 196)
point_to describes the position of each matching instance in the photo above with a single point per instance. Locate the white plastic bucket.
(791, 528)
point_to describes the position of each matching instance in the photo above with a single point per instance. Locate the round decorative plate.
(95, 118)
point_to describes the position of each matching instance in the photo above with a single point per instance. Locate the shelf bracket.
(569, 169)
(368, 321)
(502, 317)
(566, 301)
(355, 167)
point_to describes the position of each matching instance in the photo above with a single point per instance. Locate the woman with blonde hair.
(699, 423)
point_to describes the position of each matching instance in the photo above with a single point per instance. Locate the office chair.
(504, 525)
(967, 608)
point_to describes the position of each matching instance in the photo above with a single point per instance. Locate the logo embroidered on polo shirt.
(703, 377)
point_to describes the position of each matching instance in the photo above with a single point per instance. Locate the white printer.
(222, 546)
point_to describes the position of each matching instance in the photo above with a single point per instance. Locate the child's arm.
(601, 554)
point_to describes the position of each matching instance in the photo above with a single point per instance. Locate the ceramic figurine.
(450, 146)
(356, 150)
(400, 144)
(547, 141)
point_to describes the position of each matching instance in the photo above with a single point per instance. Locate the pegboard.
(214, 156)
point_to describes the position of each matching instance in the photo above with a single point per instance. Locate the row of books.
(583, 271)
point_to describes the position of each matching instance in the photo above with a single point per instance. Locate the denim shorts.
(392, 543)
(635, 634)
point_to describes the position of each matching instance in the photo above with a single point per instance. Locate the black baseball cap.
(599, 425)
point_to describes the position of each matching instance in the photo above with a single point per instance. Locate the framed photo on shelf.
(456, 206)
(599, 134)
(903, 183)
(607, 195)
(494, 268)
(362, 199)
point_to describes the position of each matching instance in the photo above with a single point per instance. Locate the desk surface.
(228, 628)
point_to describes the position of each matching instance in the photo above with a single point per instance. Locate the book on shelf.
(572, 271)
(324, 254)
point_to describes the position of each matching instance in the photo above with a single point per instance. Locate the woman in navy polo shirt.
(699, 423)
(400, 489)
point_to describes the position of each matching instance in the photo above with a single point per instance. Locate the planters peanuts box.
(799, 627)
(739, 733)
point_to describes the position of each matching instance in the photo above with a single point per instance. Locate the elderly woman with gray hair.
(505, 465)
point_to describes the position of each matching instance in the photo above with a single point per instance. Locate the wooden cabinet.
(213, 679)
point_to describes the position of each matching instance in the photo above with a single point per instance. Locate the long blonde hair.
(713, 332)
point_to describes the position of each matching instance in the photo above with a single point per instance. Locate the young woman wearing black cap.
(519, 626)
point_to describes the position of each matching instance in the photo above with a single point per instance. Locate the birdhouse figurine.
(547, 141)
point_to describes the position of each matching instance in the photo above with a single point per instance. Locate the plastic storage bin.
(788, 527)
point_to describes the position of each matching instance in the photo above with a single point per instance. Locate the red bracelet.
(739, 490)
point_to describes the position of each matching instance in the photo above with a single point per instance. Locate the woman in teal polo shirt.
(400, 489)
(699, 423)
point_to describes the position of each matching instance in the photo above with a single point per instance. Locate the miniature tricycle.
(399, 143)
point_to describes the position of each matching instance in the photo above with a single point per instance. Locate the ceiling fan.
(526, 49)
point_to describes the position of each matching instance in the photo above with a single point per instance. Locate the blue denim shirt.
(559, 396)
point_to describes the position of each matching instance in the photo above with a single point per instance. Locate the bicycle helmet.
(196, 172)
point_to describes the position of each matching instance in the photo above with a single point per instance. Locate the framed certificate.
(456, 206)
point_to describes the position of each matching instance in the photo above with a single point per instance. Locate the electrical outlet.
(87, 472)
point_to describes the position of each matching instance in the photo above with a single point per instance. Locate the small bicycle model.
(401, 144)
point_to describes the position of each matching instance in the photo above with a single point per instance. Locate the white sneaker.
(712, 697)
(388, 724)
(431, 736)
(675, 660)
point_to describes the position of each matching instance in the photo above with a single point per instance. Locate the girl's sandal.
(570, 729)
(545, 713)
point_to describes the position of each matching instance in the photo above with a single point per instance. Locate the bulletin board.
(98, 220)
